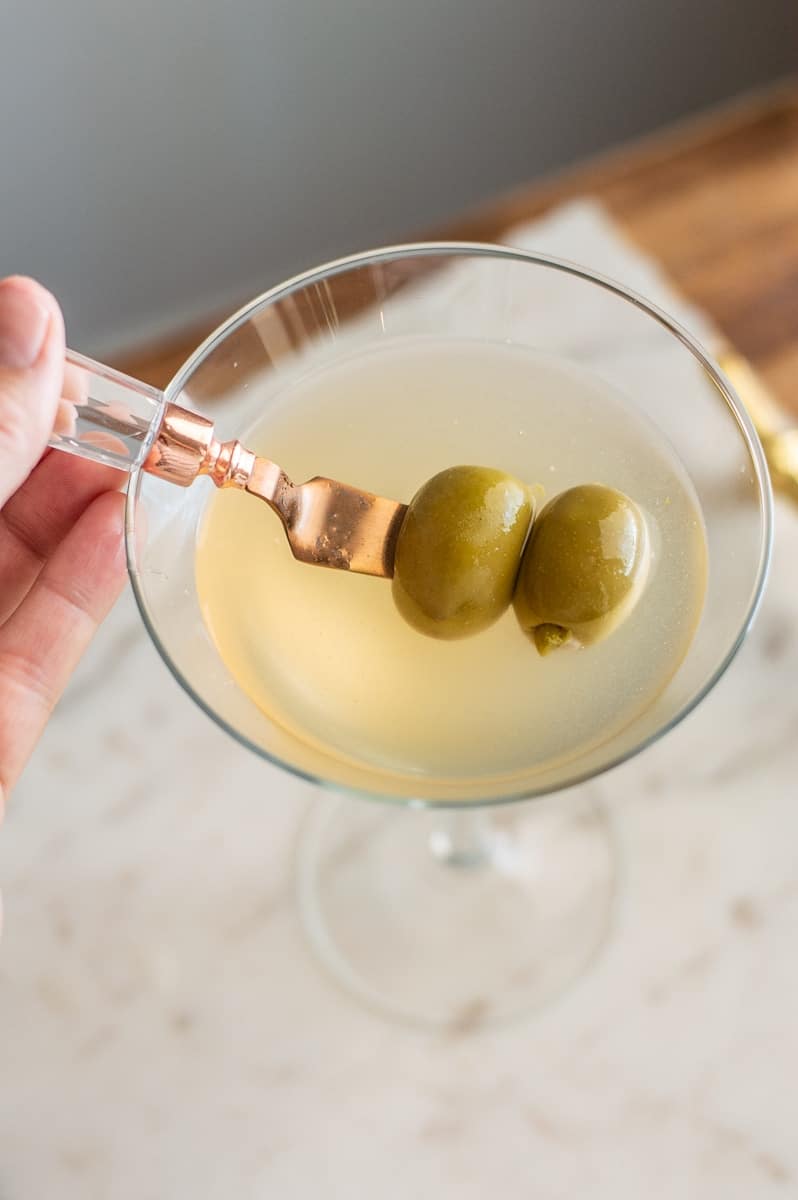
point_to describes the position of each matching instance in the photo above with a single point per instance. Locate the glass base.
(456, 919)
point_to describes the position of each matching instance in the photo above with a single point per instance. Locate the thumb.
(31, 375)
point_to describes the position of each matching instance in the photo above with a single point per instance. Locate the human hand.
(61, 544)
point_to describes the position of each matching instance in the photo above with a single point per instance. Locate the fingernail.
(66, 418)
(23, 326)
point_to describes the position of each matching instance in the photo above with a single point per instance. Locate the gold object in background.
(779, 441)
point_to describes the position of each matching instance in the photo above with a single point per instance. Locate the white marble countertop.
(164, 1030)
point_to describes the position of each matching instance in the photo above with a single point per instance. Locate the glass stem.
(465, 838)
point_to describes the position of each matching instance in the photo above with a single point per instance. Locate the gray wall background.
(160, 159)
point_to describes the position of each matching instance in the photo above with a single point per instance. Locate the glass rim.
(444, 249)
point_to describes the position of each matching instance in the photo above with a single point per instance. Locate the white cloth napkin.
(582, 232)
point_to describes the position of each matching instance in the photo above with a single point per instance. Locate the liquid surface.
(327, 655)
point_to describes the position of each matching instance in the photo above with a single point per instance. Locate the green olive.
(583, 568)
(458, 550)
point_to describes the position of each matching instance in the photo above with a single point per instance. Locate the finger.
(40, 514)
(74, 392)
(31, 372)
(41, 643)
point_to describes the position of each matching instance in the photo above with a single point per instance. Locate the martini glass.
(456, 902)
